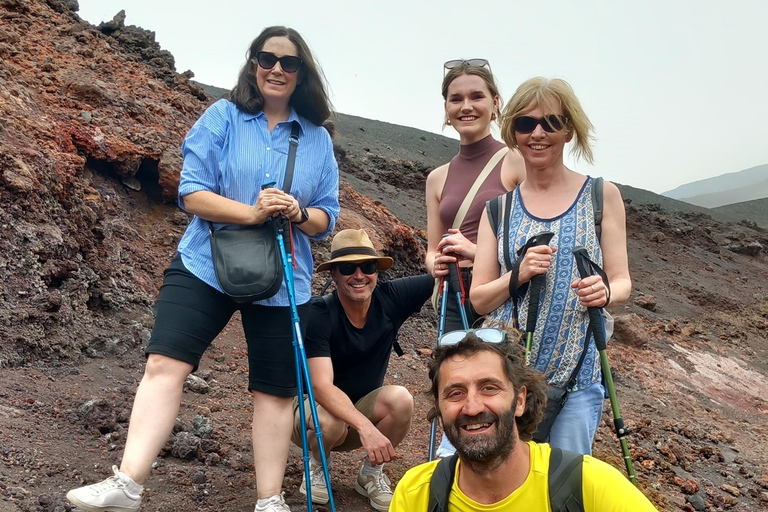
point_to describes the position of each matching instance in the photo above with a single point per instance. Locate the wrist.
(303, 216)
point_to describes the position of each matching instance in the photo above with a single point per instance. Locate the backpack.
(332, 304)
(565, 491)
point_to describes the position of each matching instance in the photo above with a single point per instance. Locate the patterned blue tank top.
(561, 328)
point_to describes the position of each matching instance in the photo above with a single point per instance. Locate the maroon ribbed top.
(462, 173)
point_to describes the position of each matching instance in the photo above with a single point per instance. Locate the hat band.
(366, 251)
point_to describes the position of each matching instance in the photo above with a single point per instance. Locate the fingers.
(381, 454)
(591, 291)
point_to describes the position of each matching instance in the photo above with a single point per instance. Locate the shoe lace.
(113, 482)
(277, 502)
(381, 482)
(317, 476)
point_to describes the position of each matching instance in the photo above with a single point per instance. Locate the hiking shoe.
(117, 493)
(376, 488)
(317, 479)
(273, 504)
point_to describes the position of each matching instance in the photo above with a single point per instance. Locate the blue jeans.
(574, 428)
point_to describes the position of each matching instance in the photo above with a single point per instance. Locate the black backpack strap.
(597, 205)
(565, 490)
(293, 142)
(441, 483)
(389, 309)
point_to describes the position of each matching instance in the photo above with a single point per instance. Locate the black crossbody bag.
(247, 259)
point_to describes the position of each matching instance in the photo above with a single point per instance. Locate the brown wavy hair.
(466, 69)
(520, 375)
(310, 99)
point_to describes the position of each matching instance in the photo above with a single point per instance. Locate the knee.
(400, 403)
(164, 367)
(332, 427)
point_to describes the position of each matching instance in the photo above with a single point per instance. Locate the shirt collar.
(292, 117)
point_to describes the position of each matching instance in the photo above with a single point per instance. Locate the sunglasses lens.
(451, 338)
(290, 64)
(452, 63)
(555, 124)
(368, 268)
(490, 335)
(525, 124)
(266, 60)
(477, 62)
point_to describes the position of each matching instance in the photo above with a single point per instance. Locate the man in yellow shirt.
(490, 404)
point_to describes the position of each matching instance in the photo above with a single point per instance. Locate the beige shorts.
(352, 442)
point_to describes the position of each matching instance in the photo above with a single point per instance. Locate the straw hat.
(354, 245)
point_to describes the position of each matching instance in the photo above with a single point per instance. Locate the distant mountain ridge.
(734, 187)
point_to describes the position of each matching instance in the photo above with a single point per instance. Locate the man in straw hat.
(350, 335)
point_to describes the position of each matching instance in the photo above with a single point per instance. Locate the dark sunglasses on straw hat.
(486, 334)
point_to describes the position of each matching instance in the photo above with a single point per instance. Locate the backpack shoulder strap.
(597, 205)
(493, 207)
(565, 490)
(441, 483)
(390, 309)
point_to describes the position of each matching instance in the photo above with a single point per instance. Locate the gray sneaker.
(117, 493)
(376, 488)
(319, 489)
(273, 504)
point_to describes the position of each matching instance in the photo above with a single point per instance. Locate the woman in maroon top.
(472, 102)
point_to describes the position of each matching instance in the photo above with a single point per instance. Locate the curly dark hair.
(520, 375)
(310, 99)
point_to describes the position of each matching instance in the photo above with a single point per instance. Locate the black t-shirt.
(360, 356)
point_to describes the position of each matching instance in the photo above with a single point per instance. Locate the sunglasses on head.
(289, 63)
(367, 267)
(551, 123)
(487, 334)
(480, 63)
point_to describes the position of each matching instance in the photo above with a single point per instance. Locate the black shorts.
(189, 314)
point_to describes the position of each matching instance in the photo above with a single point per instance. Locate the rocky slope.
(90, 124)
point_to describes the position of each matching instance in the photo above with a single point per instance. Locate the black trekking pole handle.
(595, 317)
(598, 333)
(537, 282)
(453, 275)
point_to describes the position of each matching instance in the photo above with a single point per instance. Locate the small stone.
(696, 501)
(196, 384)
(730, 490)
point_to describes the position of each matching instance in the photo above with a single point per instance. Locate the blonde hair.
(543, 92)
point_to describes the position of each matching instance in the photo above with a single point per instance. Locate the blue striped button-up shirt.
(232, 153)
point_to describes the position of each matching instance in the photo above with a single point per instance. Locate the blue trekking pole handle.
(597, 328)
(302, 372)
(453, 273)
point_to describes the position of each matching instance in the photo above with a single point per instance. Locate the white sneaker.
(376, 488)
(317, 479)
(273, 504)
(118, 493)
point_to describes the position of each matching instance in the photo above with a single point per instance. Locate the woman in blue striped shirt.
(232, 150)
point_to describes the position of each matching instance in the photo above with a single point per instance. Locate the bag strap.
(293, 142)
(441, 483)
(597, 205)
(464, 208)
(565, 491)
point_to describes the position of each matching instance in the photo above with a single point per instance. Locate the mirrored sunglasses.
(487, 334)
(289, 63)
(367, 267)
(480, 63)
(551, 123)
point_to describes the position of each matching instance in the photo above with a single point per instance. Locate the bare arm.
(336, 402)
(512, 169)
(435, 228)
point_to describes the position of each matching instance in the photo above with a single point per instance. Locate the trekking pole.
(457, 284)
(440, 331)
(537, 282)
(302, 371)
(596, 326)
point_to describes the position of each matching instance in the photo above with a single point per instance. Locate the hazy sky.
(676, 89)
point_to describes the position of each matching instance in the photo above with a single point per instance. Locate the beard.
(483, 453)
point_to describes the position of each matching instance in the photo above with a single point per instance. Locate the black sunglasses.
(487, 334)
(368, 268)
(551, 123)
(289, 63)
(480, 63)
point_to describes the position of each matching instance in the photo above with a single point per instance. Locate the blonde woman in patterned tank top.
(541, 118)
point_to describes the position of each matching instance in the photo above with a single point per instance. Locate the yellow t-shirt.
(604, 489)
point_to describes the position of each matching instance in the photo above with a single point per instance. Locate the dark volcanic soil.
(90, 122)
